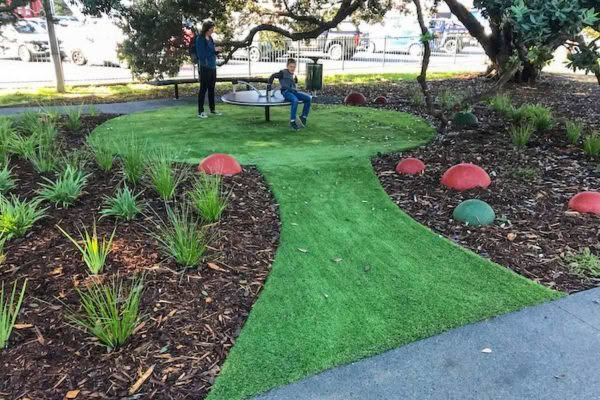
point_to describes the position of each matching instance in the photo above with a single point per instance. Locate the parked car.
(25, 40)
(398, 39)
(343, 41)
(451, 37)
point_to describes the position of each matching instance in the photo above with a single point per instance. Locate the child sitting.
(288, 81)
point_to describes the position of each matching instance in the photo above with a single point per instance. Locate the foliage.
(182, 237)
(74, 118)
(165, 178)
(17, 217)
(102, 153)
(538, 115)
(591, 146)
(93, 252)
(521, 134)
(448, 99)
(6, 180)
(3, 240)
(584, 264)
(134, 161)
(502, 104)
(76, 159)
(574, 131)
(208, 198)
(111, 311)
(9, 310)
(123, 204)
(29, 122)
(525, 174)
(66, 189)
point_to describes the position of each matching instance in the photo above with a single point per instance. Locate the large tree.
(155, 44)
(530, 31)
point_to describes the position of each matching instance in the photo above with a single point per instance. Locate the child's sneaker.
(303, 121)
(294, 126)
(202, 115)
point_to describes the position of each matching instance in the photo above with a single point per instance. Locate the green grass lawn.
(354, 275)
(138, 91)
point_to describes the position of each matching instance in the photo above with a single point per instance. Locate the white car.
(25, 40)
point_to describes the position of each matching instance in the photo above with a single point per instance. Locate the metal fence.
(27, 66)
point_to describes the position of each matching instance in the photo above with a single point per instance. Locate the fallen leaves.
(216, 267)
(72, 394)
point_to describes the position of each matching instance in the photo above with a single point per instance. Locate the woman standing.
(207, 62)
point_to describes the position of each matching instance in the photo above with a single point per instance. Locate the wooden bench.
(181, 81)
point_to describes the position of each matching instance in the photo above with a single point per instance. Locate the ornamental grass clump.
(17, 217)
(208, 198)
(9, 310)
(164, 178)
(574, 131)
(93, 252)
(122, 205)
(67, 188)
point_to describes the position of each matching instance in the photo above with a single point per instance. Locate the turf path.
(353, 275)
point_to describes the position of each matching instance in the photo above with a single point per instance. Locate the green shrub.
(43, 158)
(521, 134)
(122, 205)
(502, 104)
(208, 198)
(110, 311)
(417, 98)
(76, 159)
(93, 111)
(9, 311)
(102, 153)
(591, 146)
(29, 122)
(538, 115)
(134, 161)
(93, 252)
(66, 189)
(21, 145)
(17, 217)
(574, 131)
(163, 177)
(448, 99)
(584, 264)
(465, 119)
(6, 180)
(7, 135)
(73, 122)
(182, 237)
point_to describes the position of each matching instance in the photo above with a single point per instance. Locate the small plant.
(94, 254)
(21, 145)
(111, 311)
(66, 189)
(521, 134)
(538, 115)
(17, 217)
(526, 174)
(574, 131)
(181, 237)
(584, 264)
(43, 158)
(93, 111)
(6, 181)
(449, 99)
(3, 240)
(102, 154)
(164, 178)
(123, 205)
(9, 310)
(74, 118)
(502, 104)
(134, 161)
(208, 198)
(76, 159)
(29, 122)
(591, 146)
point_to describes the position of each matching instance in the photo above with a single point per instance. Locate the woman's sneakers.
(294, 126)
(202, 115)
(216, 113)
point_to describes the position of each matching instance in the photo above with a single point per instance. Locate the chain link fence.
(25, 59)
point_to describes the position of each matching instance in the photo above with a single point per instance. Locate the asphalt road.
(15, 73)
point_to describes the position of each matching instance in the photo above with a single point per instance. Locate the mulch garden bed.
(534, 232)
(193, 318)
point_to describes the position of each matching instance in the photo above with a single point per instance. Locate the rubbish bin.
(314, 76)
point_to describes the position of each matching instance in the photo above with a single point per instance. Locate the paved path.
(551, 351)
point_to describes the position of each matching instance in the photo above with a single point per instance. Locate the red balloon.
(355, 99)
(410, 166)
(220, 164)
(466, 176)
(586, 202)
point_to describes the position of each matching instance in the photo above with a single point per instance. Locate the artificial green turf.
(353, 275)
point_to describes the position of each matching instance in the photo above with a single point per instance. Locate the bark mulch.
(192, 317)
(534, 233)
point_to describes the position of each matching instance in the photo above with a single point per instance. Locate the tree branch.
(473, 26)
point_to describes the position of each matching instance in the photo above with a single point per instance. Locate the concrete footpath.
(550, 351)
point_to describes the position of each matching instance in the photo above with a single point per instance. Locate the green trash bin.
(314, 77)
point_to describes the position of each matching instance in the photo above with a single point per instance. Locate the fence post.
(54, 47)
(384, 48)
(343, 54)
(249, 63)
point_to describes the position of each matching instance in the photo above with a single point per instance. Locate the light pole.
(54, 48)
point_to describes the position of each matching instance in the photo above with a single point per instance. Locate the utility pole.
(54, 48)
